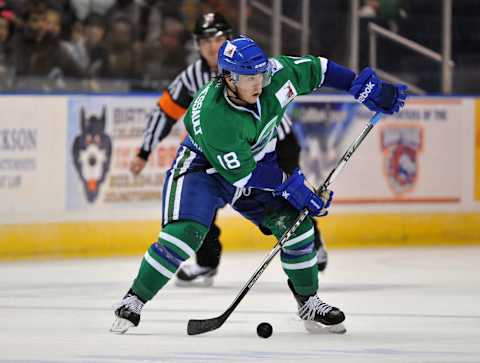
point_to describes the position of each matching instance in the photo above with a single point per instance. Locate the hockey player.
(210, 31)
(230, 148)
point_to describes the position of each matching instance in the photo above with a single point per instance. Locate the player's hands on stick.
(301, 196)
(378, 95)
(137, 165)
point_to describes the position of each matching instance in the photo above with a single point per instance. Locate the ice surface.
(402, 305)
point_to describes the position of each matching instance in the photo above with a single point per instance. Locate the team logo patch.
(286, 94)
(401, 147)
(275, 65)
(92, 153)
(229, 50)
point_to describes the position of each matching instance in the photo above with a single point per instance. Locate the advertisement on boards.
(104, 134)
(32, 153)
(404, 160)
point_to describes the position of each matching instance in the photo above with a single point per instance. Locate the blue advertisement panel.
(321, 129)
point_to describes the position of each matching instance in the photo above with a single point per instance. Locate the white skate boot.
(127, 314)
(195, 275)
(318, 316)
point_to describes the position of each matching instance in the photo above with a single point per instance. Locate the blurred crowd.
(140, 45)
(143, 40)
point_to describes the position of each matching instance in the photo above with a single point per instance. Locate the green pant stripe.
(158, 266)
(297, 259)
(299, 238)
(300, 265)
(155, 270)
(180, 247)
(162, 260)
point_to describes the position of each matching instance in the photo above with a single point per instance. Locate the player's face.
(209, 49)
(249, 87)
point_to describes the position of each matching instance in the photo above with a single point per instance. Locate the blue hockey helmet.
(242, 56)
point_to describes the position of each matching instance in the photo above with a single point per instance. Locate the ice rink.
(402, 305)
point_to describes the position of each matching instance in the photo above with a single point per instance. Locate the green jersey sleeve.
(306, 73)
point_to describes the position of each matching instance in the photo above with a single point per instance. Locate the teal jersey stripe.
(174, 176)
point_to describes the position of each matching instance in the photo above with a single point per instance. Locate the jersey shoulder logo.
(275, 65)
(286, 94)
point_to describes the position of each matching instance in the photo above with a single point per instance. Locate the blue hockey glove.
(300, 196)
(377, 95)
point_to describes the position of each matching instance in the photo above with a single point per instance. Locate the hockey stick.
(199, 326)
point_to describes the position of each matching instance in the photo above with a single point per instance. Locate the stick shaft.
(343, 161)
(202, 326)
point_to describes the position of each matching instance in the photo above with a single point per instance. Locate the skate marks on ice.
(245, 356)
(397, 309)
(218, 289)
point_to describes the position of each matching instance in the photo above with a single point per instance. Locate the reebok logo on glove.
(368, 89)
(319, 207)
(301, 196)
(376, 95)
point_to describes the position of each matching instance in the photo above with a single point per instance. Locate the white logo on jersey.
(368, 89)
(286, 94)
(275, 65)
(285, 194)
(197, 105)
(230, 48)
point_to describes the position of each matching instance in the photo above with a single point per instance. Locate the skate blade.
(198, 282)
(314, 327)
(120, 326)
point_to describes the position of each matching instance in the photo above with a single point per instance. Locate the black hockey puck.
(264, 330)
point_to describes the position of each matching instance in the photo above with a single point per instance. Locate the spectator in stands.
(130, 9)
(69, 65)
(38, 51)
(7, 26)
(84, 8)
(94, 32)
(152, 17)
(26, 40)
(68, 17)
(164, 60)
(385, 13)
(146, 16)
(76, 46)
(121, 59)
(7, 23)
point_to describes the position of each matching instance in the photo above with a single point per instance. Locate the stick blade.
(200, 326)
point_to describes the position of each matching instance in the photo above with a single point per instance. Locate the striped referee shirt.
(174, 102)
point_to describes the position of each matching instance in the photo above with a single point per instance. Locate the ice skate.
(127, 314)
(318, 316)
(195, 275)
